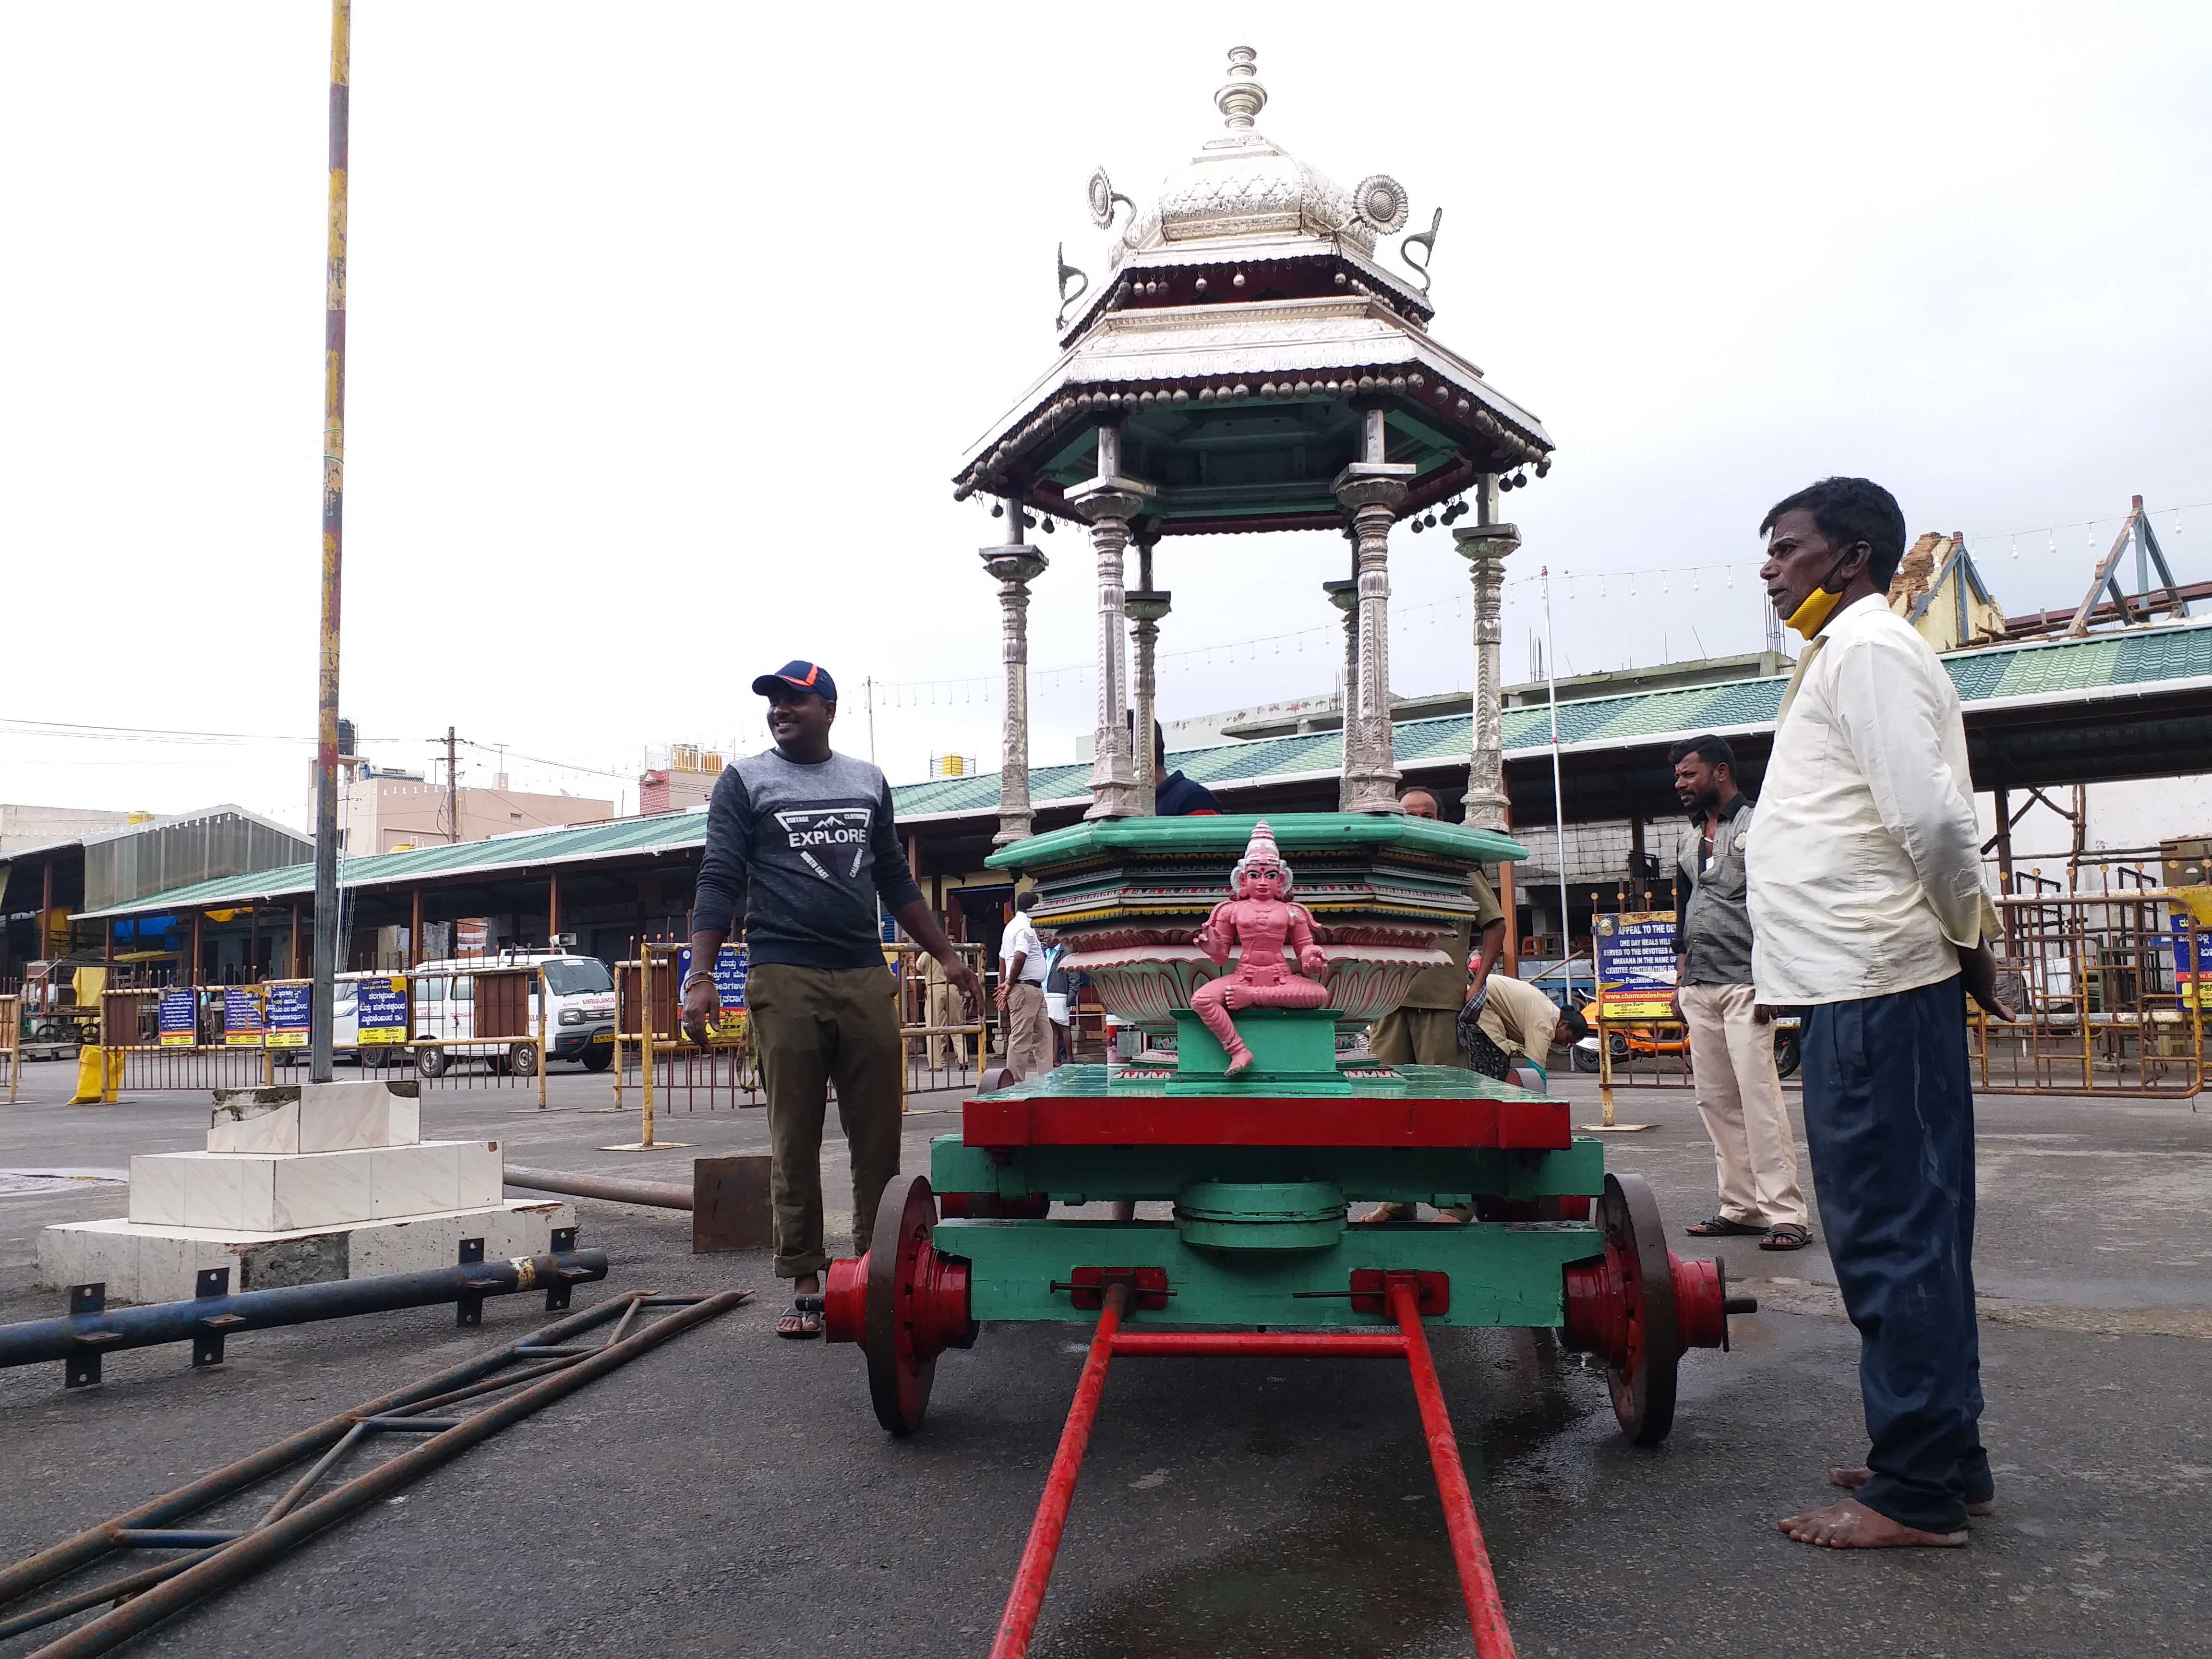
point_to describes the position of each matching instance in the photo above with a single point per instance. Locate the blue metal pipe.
(116, 1328)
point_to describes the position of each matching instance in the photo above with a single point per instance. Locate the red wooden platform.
(1532, 1124)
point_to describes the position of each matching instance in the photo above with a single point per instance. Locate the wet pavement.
(730, 1494)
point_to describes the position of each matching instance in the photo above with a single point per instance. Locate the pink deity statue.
(1261, 918)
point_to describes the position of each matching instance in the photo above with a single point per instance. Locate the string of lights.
(1323, 637)
(1577, 585)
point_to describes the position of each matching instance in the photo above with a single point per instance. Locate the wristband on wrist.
(693, 978)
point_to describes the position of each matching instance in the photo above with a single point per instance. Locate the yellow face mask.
(1810, 618)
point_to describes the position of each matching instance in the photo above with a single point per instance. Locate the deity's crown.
(1260, 849)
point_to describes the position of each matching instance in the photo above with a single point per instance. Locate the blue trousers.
(1889, 1120)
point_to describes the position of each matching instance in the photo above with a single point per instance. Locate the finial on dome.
(1242, 97)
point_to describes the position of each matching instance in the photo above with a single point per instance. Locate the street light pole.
(1560, 802)
(326, 688)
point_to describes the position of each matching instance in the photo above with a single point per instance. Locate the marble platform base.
(316, 1117)
(285, 1192)
(157, 1263)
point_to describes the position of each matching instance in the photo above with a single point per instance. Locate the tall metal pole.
(326, 697)
(1559, 798)
(453, 788)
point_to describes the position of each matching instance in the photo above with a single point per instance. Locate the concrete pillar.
(1484, 545)
(1109, 501)
(1147, 607)
(1345, 596)
(1371, 490)
(1014, 565)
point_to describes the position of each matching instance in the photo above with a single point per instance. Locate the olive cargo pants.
(811, 1027)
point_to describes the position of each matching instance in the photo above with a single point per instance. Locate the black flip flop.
(1785, 1235)
(806, 1318)
(1720, 1226)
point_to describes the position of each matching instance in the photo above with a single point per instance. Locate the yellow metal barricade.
(11, 1040)
(939, 1046)
(162, 1038)
(673, 1073)
(475, 1024)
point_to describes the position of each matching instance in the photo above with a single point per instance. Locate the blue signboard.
(732, 969)
(381, 1010)
(1636, 965)
(2191, 969)
(288, 1016)
(241, 1017)
(179, 1019)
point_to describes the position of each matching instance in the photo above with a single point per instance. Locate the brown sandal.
(1720, 1226)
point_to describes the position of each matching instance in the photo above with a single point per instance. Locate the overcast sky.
(671, 323)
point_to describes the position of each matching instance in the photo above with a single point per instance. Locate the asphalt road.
(730, 1494)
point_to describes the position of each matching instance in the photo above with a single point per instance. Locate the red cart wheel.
(1621, 1307)
(917, 1306)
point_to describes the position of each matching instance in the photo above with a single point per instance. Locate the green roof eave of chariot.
(1225, 834)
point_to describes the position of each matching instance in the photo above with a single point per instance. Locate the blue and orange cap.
(799, 677)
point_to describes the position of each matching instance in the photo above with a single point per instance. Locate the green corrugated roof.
(2047, 669)
(664, 832)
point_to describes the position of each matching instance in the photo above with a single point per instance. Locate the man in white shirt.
(1868, 912)
(1022, 970)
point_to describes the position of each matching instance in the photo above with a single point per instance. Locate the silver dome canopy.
(1245, 332)
(1245, 185)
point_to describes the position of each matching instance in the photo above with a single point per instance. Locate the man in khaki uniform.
(1423, 1030)
(941, 1005)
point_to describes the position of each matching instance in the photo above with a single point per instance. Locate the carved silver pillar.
(1484, 545)
(1109, 501)
(1015, 566)
(1148, 607)
(1345, 596)
(1372, 490)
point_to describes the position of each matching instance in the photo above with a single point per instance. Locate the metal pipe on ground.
(70, 1553)
(257, 1547)
(116, 1328)
(659, 1195)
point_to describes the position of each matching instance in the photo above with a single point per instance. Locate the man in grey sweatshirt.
(800, 842)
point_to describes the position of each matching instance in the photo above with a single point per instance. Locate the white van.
(580, 1014)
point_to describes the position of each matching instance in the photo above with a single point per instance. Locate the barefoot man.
(1866, 911)
(800, 843)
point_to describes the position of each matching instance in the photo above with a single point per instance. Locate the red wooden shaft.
(1019, 1622)
(1209, 1344)
(1484, 1612)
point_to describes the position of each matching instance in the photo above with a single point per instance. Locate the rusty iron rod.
(320, 1011)
(258, 1548)
(90, 1545)
(659, 1195)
